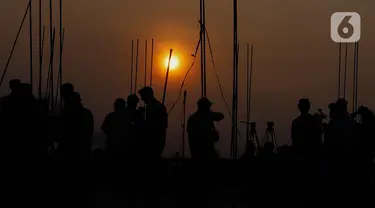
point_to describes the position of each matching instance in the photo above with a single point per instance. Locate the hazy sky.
(293, 54)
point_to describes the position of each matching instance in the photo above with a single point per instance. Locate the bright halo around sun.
(175, 62)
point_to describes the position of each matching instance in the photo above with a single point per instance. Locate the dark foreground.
(177, 183)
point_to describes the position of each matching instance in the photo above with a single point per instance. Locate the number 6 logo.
(345, 27)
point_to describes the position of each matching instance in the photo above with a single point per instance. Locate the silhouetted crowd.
(337, 147)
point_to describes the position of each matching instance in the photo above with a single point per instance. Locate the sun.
(174, 63)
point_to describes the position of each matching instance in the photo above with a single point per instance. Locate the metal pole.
(166, 76)
(355, 79)
(356, 76)
(62, 35)
(339, 75)
(52, 32)
(247, 92)
(204, 48)
(31, 43)
(345, 68)
(201, 37)
(235, 84)
(131, 68)
(136, 67)
(145, 63)
(152, 60)
(40, 51)
(14, 46)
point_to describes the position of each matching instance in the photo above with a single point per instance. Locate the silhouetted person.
(134, 128)
(78, 127)
(201, 131)
(67, 90)
(114, 127)
(156, 123)
(306, 132)
(340, 130)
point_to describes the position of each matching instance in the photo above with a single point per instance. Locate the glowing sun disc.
(174, 63)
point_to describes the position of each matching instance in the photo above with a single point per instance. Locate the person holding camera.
(201, 131)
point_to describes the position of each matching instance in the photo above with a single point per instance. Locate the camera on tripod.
(253, 125)
(270, 124)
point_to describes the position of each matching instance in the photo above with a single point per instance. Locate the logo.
(345, 27)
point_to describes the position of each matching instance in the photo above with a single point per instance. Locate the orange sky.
(294, 55)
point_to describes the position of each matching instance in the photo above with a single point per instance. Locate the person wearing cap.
(306, 132)
(156, 123)
(202, 134)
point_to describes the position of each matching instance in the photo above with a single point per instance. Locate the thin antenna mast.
(40, 51)
(136, 67)
(345, 68)
(14, 46)
(203, 47)
(52, 33)
(145, 63)
(247, 91)
(339, 74)
(31, 43)
(131, 68)
(62, 36)
(235, 84)
(166, 76)
(152, 61)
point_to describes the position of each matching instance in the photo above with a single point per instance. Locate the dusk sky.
(294, 55)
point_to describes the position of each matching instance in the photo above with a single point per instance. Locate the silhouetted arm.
(217, 116)
(105, 125)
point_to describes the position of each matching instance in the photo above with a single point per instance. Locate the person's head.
(66, 89)
(132, 101)
(147, 94)
(15, 84)
(304, 105)
(204, 105)
(120, 104)
(342, 105)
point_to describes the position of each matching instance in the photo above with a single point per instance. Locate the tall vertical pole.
(184, 124)
(204, 48)
(31, 43)
(247, 94)
(51, 30)
(131, 68)
(136, 67)
(152, 61)
(339, 74)
(166, 76)
(354, 78)
(345, 68)
(61, 54)
(145, 64)
(235, 84)
(203, 55)
(357, 76)
(40, 52)
(251, 78)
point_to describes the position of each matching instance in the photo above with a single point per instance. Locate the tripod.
(269, 135)
(253, 136)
